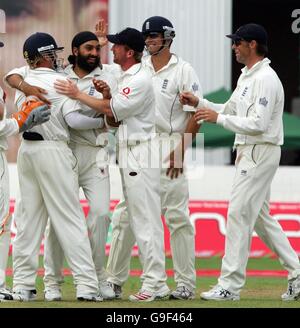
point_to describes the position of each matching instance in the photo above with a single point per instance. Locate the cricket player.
(33, 113)
(170, 75)
(49, 184)
(254, 112)
(85, 127)
(134, 107)
(84, 130)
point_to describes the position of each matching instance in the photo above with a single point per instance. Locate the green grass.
(258, 292)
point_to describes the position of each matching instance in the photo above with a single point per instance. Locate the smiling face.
(120, 53)
(154, 41)
(242, 51)
(88, 55)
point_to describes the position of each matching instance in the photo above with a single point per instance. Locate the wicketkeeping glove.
(38, 116)
(33, 112)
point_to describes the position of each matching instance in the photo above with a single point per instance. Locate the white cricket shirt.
(8, 127)
(56, 128)
(254, 111)
(86, 85)
(177, 76)
(134, 105)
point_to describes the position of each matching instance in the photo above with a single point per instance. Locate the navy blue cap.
(38, 43)
(83, 37)
(130, 37)
(156, 24)
(250, 32)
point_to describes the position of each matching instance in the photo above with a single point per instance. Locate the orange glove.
(27, 107)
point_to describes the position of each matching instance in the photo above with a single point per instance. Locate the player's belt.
(34, 136)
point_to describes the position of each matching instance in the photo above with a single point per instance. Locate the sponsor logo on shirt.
(126, 91)
(263, 101)
(244, 172)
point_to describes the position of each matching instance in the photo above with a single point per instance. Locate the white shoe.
(117, 290)
(147, 296)
(6, 295)
(293, 290)
(52, 294)
(218, 293)
(89, 298)
(24, 295)
(182, 293)
(106, 290)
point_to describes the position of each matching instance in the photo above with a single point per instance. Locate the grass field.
(261, 292)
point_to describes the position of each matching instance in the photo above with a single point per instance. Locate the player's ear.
(75, 51)
(130, 53)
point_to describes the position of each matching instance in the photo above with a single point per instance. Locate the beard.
(82, 62)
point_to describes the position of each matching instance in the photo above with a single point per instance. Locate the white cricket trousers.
(49, 188)
(95, 183)
(174, 195)
(249, 210)
(5, 219)
(141, 186)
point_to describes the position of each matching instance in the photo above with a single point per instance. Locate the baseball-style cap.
(250, 32)
(38, 43)
(130, 37)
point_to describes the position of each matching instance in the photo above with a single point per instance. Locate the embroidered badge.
(92, 91)
(263, 101)
(195, 87)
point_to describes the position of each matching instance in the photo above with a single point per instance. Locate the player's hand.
(101, 32)
(67, 88)
(103, 88)
(206, 115)
(110, 122)
(30, 90)
(187, 98)
(175, 163)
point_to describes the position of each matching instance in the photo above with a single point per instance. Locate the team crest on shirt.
(165, 84)
(195, 87)
(263, 101)
(92, 91)
(245, 91)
